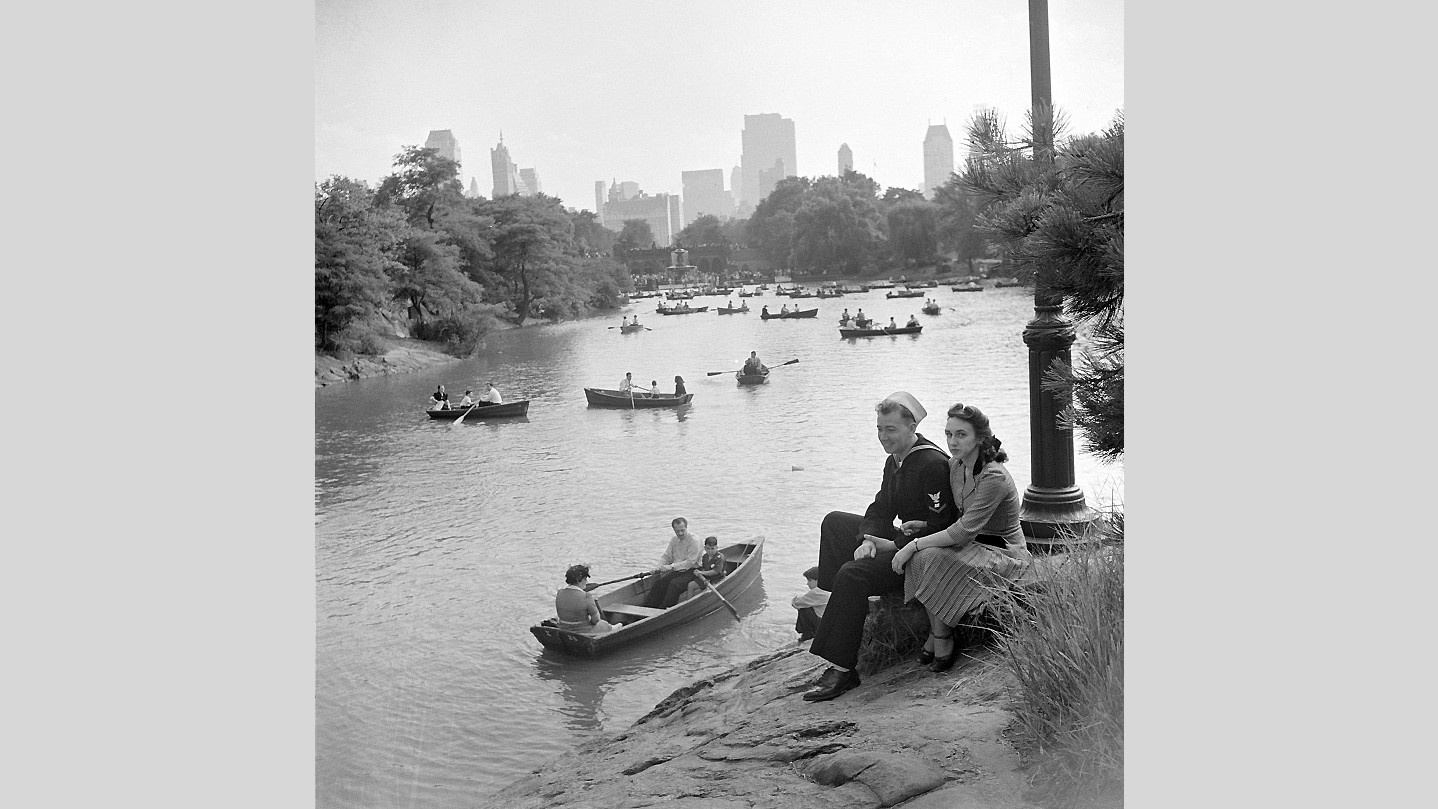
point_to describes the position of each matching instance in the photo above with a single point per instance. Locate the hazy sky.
(644, 89)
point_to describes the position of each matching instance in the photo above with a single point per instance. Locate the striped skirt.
(950, 583)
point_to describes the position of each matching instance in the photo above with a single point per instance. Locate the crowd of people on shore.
(957, 533)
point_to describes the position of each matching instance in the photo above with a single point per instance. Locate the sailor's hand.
(912, 526)
(866, 550)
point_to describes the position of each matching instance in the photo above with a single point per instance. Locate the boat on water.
(879, 332)
(732, 310)
(604, 397)
(483, 410)
(631, 328)
(800, 293)
(969, 287)
(932, 309)
(683, 310)
(633, 622)
(789, 315)
(904, 292)
(1008, 282)
(752, 379)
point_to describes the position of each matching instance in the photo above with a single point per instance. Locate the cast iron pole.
(1053, 506)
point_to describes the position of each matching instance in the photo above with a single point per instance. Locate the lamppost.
(1053, 509)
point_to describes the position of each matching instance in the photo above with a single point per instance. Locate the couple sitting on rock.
(958, 530)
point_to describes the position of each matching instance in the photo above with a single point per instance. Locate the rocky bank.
(404, 357)
(745, 738)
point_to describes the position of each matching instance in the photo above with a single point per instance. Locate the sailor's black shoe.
(832, 684)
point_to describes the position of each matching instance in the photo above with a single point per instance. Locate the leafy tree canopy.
(635, 235)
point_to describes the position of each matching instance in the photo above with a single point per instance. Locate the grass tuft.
(1063, 641)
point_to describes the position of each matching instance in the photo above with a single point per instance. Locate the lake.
(437, 545)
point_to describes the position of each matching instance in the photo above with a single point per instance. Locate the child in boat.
(576, 609)
(810, 606)
(711, 567)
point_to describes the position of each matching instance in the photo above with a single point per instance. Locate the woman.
(949, 568)
(575, 607)
(679, 386)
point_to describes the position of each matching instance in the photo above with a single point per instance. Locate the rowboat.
(602, 397)
(692, 310)
(1008, 282)
(633, 622)
(752, 379)
(483, 410)
(969, 287)
(732, 310)
(905, 293)
(932, 309)
(794, 314)
(879, 332)
(631, 328)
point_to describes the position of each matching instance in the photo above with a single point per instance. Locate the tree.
(1065, 222)
(635, 235)
(424, 184)
(705, 231)
(355, 253)
(590, 237)
(532, 236)
(957, 229)
(895, 195)
(913, 229)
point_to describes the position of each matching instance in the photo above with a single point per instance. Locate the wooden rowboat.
(693, 310)
(602, 397)
(631, 328)
(482, 410)
(752, 379)
(789, 315)
(732, 310)
(969, 287)
(905, 293)
(932, 309)
(879, 332)
(634, 622)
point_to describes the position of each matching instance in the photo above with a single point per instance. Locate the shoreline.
(745, 737)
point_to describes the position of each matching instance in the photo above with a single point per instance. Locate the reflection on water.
(438, 545)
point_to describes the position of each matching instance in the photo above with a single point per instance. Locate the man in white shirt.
(675, 566)
(628, 383)
(492, 395)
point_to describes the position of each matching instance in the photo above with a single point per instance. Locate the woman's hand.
(912, 526)
(866, 550)
(903, 556)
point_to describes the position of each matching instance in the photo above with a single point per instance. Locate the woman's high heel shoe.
(941, 664)
(927, 655)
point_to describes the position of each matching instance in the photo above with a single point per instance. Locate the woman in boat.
(948, 570)
(892, 324)
(913, 321)
(765, 310)
(679, 389)
(440, 399)
(576, 609)
(653, 388)
(468, 398)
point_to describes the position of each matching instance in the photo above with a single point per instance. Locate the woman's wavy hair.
(576, 574)
(990, 447)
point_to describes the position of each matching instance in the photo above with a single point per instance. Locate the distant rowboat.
(603, 397)
(483, 410)
(795, 314)
(843, 333)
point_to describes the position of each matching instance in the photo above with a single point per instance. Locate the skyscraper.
(662, 211)
(599, 197)
(736, 185)
(506, 174)
(704, 194)
(938, 158)
(846, 159)
(473, 189)
(530, 177)
(769, 154)
(444, 141)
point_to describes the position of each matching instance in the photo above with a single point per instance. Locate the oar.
(466, 413)
(592, 585)
(725, 601)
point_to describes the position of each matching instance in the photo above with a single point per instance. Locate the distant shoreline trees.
(415, 256)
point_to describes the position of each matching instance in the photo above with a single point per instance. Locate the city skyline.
(563, 84)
